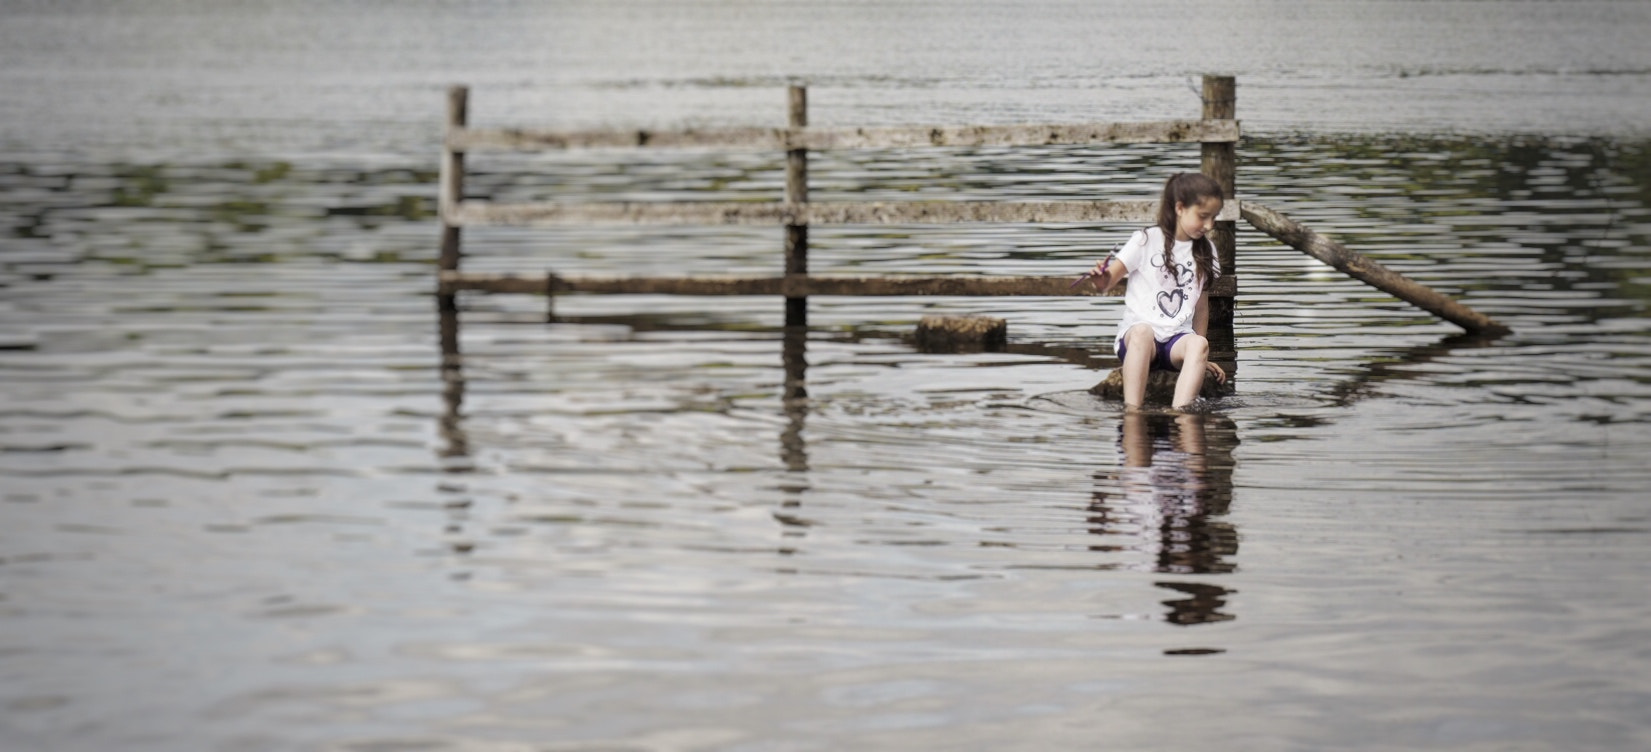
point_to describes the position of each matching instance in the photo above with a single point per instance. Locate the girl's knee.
(1193, 348)
(1140, 334)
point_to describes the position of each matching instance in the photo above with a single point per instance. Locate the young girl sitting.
(1169, 267)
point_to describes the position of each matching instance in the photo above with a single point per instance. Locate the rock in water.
(954, 334)
(1160, 386)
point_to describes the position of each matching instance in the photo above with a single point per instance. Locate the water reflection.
(455, 449)
(1371, 375)
(1201, 606)
(793, 446)
(213, 396)
(1168, 500)
(794, 354)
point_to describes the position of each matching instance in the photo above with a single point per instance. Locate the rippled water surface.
(243, 506)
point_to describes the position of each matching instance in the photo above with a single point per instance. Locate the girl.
(1165, 312)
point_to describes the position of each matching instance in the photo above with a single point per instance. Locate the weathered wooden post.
(1220, 162)
(449, 194)
(451, 191)
(796, 194)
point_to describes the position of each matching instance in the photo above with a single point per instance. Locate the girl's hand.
(1097, 275)
(1220, 375)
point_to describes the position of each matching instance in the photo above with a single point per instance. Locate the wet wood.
(796, 194)
(1357, 266)
(451, 188)
(1219, 160)
(794, 286)
(796, 158)
(449, 282)
(787, 139)
(954, 334)
(1159, 132)
(1218, 157)
(527, 139)
(450, 191)
(833, 213)
(1217, 131)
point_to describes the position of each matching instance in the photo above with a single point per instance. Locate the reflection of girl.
(1166, 312)
(1164, 478)
(1172, 493)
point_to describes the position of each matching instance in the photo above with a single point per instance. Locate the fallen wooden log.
(1355, 265)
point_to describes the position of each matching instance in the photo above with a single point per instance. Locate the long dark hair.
(1189, 189)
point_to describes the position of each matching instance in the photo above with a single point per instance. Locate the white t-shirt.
(1166, 299)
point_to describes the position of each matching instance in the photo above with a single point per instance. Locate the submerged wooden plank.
(795, 285)
(1162, 131)
(830, 213)
(450, 282)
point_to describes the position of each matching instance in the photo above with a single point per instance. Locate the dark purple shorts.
(1160, 358)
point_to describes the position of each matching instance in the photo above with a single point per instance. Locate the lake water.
(242, 507)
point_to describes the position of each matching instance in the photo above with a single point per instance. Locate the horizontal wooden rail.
(791, 286)
(1164, 131)
(472, 213)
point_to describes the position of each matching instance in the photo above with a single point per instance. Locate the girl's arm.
(1108, 273)
(1112, 269)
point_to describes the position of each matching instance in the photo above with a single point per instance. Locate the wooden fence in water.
(1216, 132)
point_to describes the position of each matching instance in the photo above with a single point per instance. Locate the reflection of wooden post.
(793, 445)
(452, 387)
(1220, 162)
(451, 192)
(796, 192)
(794, 397)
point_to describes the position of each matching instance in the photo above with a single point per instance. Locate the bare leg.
(1140, 347)
(1193, 354)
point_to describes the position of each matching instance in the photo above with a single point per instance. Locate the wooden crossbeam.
(791, 286)
(464, 139)
(471, 213)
